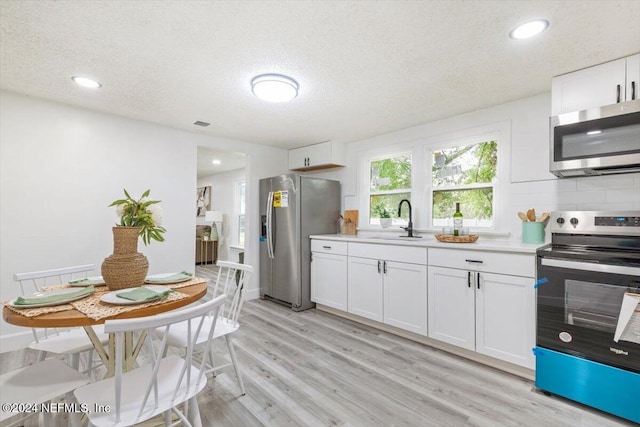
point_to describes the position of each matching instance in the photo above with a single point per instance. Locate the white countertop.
(429, 241)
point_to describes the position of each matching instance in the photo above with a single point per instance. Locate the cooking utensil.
(531, 215)
(522, 216)
(543, 217)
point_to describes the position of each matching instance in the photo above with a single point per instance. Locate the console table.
(207, 247)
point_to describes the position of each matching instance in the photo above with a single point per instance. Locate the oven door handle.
(587, 266)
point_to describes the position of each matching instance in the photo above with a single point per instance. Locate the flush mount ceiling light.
(216, 162)
(274, 87)
(529, 29)
(86, 82)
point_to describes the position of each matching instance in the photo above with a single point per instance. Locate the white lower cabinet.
(329, 273)
(405, 296)
(329, 280)
(451, 307)
(391, 292)
(365, 288)
(505, 318)
(492, 314)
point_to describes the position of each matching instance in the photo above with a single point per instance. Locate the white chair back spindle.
(232, 278)
(34, 282)
(161, 385)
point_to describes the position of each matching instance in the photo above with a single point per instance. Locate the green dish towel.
(143, 294)
(169, 279)
(46, 299)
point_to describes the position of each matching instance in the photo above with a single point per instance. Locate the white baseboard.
(252, 294)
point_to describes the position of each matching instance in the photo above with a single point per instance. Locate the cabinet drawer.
(329, 247)
(490, 262)
(407, 254)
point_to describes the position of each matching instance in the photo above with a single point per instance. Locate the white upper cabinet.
(324, 155)
(605, 84)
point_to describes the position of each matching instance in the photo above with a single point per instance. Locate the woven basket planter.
(126, 267)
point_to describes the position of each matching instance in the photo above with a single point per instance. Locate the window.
(241, 188)
(389, 183)
(464, 173)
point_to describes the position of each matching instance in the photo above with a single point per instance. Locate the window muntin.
(464, 173)
(389, 182)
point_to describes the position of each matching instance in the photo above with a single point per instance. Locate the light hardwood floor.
(315, 369)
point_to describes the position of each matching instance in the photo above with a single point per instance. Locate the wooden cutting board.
(351, 216)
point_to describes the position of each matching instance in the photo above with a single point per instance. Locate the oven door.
(578, 307)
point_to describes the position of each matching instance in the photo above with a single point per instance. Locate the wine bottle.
(457, 221)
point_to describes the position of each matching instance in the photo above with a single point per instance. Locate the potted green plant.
(127, 267)
(381, 211)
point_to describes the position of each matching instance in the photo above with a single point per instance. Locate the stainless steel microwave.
(598, 141)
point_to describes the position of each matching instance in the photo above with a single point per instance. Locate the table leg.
(104, 356)
(108, 357)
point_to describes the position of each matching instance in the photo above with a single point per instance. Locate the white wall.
(223, 199)
(530, 185)
(60, 167)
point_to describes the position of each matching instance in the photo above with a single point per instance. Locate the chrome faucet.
(409, 227)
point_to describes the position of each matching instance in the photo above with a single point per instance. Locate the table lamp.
(213, 217)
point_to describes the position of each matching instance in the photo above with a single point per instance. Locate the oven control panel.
(596, 222)
(618, 221)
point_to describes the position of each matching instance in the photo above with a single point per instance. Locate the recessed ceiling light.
(85, 82)
(274, 87)
(594, 132)
(529, 29)
(216, 162)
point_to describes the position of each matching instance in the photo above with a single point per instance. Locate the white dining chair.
(71, 342)
(35, 385)
(231, 280)
(160, 387)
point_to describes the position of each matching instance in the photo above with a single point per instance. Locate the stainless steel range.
(593, 261)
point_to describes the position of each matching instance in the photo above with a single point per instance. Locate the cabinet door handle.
(326, 247)
(384, 267)
(633, 90)
(475, 261)
(618, 94)
(478, 280)
(468, 279)
(379, 268)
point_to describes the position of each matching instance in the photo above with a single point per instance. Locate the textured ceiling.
(364, 68)
(229, 161)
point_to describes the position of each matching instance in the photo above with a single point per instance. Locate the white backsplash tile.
(566, 185)
(582, 197)
(628, 196)
(606, 182)
(605, 207)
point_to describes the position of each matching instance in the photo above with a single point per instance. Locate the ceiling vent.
(203, 124)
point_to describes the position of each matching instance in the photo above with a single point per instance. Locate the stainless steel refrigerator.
(293, 207)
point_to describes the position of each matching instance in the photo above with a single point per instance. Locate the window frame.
(421, 175)
(368, 193)
(500, 132)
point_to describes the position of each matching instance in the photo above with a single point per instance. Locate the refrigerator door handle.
(269, 225)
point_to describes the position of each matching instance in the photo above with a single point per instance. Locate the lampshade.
(213, 216)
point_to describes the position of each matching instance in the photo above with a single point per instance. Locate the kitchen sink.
(407, 239)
